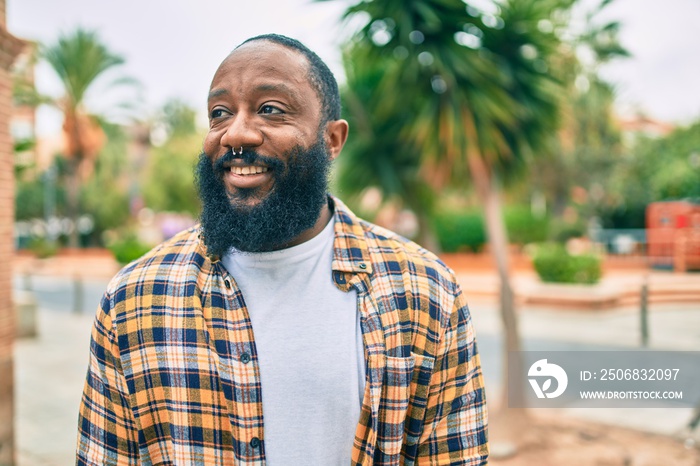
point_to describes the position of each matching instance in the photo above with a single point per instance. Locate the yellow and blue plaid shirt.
(173, 377)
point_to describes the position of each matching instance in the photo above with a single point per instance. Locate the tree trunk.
(498, 240)
(73, 198)
(74, 154)
(487, 190)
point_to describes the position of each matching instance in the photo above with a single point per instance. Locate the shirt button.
(227, 282)
(255, 442)
(245, 358)
(363, 266)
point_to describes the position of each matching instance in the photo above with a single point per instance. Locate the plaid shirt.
(173, 377)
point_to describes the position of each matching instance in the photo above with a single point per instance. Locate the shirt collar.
(350, 251)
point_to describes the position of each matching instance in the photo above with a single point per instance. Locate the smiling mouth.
(247, 170)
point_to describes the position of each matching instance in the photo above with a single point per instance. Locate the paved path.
(49, 375)
(50, 368)
(673, 327)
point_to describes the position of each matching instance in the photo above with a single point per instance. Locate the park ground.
(50, 367)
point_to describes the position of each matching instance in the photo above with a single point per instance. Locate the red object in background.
(682, 221)
(668, 222)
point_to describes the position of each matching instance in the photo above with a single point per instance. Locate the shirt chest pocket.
(402, 405)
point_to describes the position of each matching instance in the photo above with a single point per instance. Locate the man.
(283, 330)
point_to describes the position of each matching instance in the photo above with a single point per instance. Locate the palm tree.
(377, 155)
(480, 99)
(79, 59)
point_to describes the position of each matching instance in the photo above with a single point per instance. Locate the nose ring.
(239, 153)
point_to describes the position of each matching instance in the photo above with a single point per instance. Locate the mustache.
(250, 157)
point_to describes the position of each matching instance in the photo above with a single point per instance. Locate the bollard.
(77, 294)
(644, 311)
(25, 314)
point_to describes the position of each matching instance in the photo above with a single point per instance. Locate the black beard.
(292, 206)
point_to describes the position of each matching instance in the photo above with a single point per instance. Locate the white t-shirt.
(310, 350)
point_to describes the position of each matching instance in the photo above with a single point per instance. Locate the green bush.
(107, 203)
(555, 265)
(465, 230)
(29, 199)
(128, 249)
(42, 247)
(460, 231)
(525, 228)
(168, 179)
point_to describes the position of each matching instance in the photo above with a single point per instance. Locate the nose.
(242, 132)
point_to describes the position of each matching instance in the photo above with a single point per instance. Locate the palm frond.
(79, 59)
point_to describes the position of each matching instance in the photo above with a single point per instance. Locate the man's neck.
(318, 227)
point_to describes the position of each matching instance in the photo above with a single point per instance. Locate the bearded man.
(282, 330)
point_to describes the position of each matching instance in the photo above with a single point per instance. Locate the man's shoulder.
(385, 245)
(388, 251)
(405, 275)
(169, 261)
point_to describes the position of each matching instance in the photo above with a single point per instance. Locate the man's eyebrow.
(280, 87)
(214, 93)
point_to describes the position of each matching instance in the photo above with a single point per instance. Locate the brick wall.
(9, 48)
(6, 314)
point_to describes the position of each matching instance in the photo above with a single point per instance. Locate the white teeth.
(249, 170)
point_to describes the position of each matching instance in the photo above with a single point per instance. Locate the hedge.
(460, 231)
(555, 265)
(465, 230)
(128, 249)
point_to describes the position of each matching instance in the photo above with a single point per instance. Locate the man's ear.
(336, 135)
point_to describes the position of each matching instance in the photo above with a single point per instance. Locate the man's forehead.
(264, 54)
(263, 66)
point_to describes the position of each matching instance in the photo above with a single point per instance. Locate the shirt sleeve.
(107, 433)
(455, 431)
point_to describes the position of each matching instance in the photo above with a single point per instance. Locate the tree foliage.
(472, 93)
(582, 154)
(671, 164)
(168, 184)
(168, 179)
(79, 59)
(478, 82)
(105, 195)
(377, 154)
(670, 168)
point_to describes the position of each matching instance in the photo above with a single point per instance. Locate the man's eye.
(270, 110)
(217, 113)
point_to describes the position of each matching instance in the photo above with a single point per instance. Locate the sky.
(174, 47)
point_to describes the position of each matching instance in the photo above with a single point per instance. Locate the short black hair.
(321, 76)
